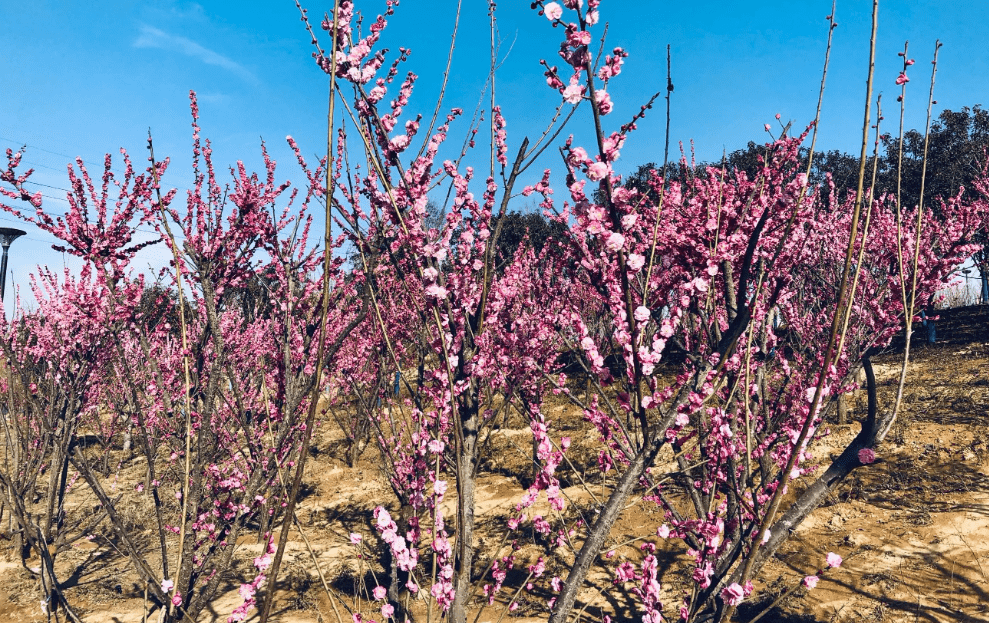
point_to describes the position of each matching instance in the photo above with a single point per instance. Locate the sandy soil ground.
(913, 528)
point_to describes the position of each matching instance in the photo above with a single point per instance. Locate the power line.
(66, 190)
(43, 166)
(26, 145)
(11, 220)
(63, 214)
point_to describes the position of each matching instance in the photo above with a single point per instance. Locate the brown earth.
(913, 528)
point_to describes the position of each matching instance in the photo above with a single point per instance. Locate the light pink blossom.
(439, 487)
(635, 262)
(597, 171)
(615, 242)
(733, 594)
(437, 291)
(399, 143)
(573, 93)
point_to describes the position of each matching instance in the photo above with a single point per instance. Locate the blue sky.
(83, 79)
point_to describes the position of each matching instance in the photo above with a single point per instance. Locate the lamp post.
(7, 236)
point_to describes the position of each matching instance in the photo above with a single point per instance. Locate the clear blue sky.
(88, 78)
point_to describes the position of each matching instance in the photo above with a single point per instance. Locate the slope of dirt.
(913, 528)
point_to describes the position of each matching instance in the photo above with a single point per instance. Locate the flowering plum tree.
(715, 317)
(218, 404)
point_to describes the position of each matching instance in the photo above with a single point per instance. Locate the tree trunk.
(465, 509)
(602, 527)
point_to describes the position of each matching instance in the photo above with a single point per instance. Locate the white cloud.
(212, 98)
(151, 37)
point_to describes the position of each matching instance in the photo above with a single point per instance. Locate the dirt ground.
(913, 528)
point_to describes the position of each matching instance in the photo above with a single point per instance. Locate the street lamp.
(7, 236)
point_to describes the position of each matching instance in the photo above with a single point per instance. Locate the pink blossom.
(573, 93)
(166, 585)
(596, 213)
(399, 143)
(603, 101)
(437, 291)
(642, 313)
(596, 171)
(436, 446)
(625, 572)
(176, 599)
(439, 487)
(355, 538)
(379, 592)
(615, 242)
(702, 574)
(902, 79)
(635, 262)
(541, 525)
(733, 594)
(663, 531)
(263, 562)
(833, 560)
(376, 94)
(866, 456)
(246, 591)
(811, 581)
(578, 156)
(387, 611)
(553, 11)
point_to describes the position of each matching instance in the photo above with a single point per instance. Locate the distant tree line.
(956, 155)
